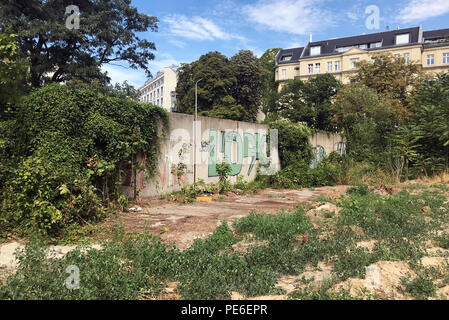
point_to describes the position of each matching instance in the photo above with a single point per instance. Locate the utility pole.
(194, 134)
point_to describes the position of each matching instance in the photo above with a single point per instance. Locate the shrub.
(68, 150)
(293, 142)
(420, 287)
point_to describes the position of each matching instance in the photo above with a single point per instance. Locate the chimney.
(311, 38)
(388, 28)
(397, 27)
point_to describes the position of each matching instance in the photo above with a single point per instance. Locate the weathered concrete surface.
(243, 144)
(324, 144)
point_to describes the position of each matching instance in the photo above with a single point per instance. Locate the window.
(315, 51)
(446, 58)
(363, 46)
(353, 62)
(329, 66)
(337, 65)
(375, 45)
(310, 68)
(284, 74)
(403, 38)
(162, 91)
(407, 57)
(286, 58)
(318, 67)
(343, 49)
(430, 59)
(162, 101)
(277, 74)
(158, 93)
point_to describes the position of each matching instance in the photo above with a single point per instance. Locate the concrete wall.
(243, 143)
(324, 144)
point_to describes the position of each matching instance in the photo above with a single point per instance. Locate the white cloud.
(423, 9)
(196, 28)
(298, 17)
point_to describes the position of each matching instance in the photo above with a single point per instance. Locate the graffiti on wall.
(234, 149)
(319, 153)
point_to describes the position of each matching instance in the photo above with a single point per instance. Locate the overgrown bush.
(64, 160)
(293, 142)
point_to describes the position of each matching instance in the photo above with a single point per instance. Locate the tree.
(431, 123)
(309, 101)
(294, 142)
(435, 91)
(249, 86)
(218, 92)
(107, 33)
(366, 120)
(270, 86)
(392, 78)
(13, 71)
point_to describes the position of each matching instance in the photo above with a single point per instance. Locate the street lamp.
(194, 134)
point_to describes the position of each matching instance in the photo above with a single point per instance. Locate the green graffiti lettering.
(230, 138)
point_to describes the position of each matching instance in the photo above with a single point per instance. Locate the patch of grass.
(443, 240)
(138, 266)
(420, 288)
(323, 198)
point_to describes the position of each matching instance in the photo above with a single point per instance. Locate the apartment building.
(338, 56)
(161, 90)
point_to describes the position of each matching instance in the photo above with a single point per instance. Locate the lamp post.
(194, 134)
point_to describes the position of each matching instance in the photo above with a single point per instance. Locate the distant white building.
(161, 90)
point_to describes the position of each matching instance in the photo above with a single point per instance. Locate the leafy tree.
(392, 78)
(431, 123)
(435, 91)
(217, 92)
(366, 120)
(213, 91)
(405, 148)
(270, 86)
(309, 101)
(248, 90)
(293, 142)
(13, 71)
(107, 34)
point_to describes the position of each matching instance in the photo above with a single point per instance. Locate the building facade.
(430, 49)
(161, 90)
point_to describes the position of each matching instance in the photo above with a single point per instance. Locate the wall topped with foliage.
(63, 154)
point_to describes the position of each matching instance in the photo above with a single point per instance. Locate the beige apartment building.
(338, 56)
(161, 90)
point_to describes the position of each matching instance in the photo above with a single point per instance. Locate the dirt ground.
(183, 223)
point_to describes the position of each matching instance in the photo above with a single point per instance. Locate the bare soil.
(183, 223)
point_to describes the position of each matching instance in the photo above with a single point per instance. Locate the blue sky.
(191, 28)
